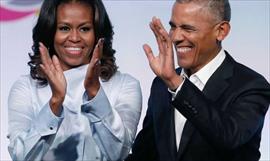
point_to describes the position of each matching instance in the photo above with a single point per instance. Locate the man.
(210, 109)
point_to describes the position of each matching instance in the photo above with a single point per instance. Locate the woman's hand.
(163, 64)
(55, 76)
(91, 82)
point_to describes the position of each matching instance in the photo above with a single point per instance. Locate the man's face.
(194, 34)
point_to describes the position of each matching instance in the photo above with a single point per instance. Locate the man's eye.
(188, 29)
(173, 27)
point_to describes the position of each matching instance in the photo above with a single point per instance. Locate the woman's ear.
(223, 30)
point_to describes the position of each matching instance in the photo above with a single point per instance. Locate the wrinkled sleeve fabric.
(114, 126)
(30, 129)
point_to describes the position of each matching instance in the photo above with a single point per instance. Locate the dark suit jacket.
(224, 121)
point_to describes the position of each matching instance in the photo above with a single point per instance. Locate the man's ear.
(223, 30)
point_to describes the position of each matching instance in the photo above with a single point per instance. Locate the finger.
(57, 64)
(45, 71)
(159, 24)
(148, 52)
(155, 28)
(163, 33)
(97, 51)
(42, 53)
(45, 57)
(167, 40)
(101, 43)
(160, 29)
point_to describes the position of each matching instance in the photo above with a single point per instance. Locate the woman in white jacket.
(73, 88)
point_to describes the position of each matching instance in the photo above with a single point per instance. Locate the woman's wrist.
(56, 105)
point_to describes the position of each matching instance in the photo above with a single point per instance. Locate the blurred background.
(248, 43)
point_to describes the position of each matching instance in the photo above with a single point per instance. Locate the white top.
(107, 123)
(199, 79)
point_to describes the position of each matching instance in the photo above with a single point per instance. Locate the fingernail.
(102, 40)
(97, 62)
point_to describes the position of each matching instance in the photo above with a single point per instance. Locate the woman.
(73, 88)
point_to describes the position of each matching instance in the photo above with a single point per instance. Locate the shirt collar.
(205, 72)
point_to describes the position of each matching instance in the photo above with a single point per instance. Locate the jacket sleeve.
(29, 131)
(227, 124)
(114, 126)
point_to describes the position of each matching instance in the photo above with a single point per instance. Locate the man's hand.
(163, 64)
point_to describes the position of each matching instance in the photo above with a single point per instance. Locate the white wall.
(248, 43)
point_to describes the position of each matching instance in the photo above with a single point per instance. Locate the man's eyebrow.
(183, 26)
(186, 26)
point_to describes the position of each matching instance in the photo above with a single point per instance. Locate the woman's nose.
(74, 36)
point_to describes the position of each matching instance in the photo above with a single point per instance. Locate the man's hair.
(219, 9)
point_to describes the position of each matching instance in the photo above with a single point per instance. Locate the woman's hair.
(45, 29)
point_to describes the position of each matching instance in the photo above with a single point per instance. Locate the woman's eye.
(85, 29)
(64, 28)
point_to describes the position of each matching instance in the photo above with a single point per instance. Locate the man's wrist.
(175, 82)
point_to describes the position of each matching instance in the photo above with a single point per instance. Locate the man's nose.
(177, 35)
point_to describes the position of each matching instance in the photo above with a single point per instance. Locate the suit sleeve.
(226, 127)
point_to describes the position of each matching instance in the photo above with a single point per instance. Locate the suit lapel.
(213, 89)
(217, 83)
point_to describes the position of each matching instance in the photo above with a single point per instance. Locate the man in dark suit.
(210, 109)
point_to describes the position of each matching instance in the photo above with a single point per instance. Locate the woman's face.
(75, 36)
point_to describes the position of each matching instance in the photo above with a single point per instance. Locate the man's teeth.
(183, 49)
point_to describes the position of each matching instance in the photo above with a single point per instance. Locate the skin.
(73, 42)
(195, 38)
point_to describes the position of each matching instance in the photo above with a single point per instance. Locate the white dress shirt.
(199, 79)
(107, 123)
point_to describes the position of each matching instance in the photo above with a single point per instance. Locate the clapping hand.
(53, 72)
(91, 82)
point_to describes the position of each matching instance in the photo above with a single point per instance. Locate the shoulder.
(122, 81)
(248, 75)
(245, 79)
(240, 70)
(22, 81)
(21, 88)
(120, 78)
